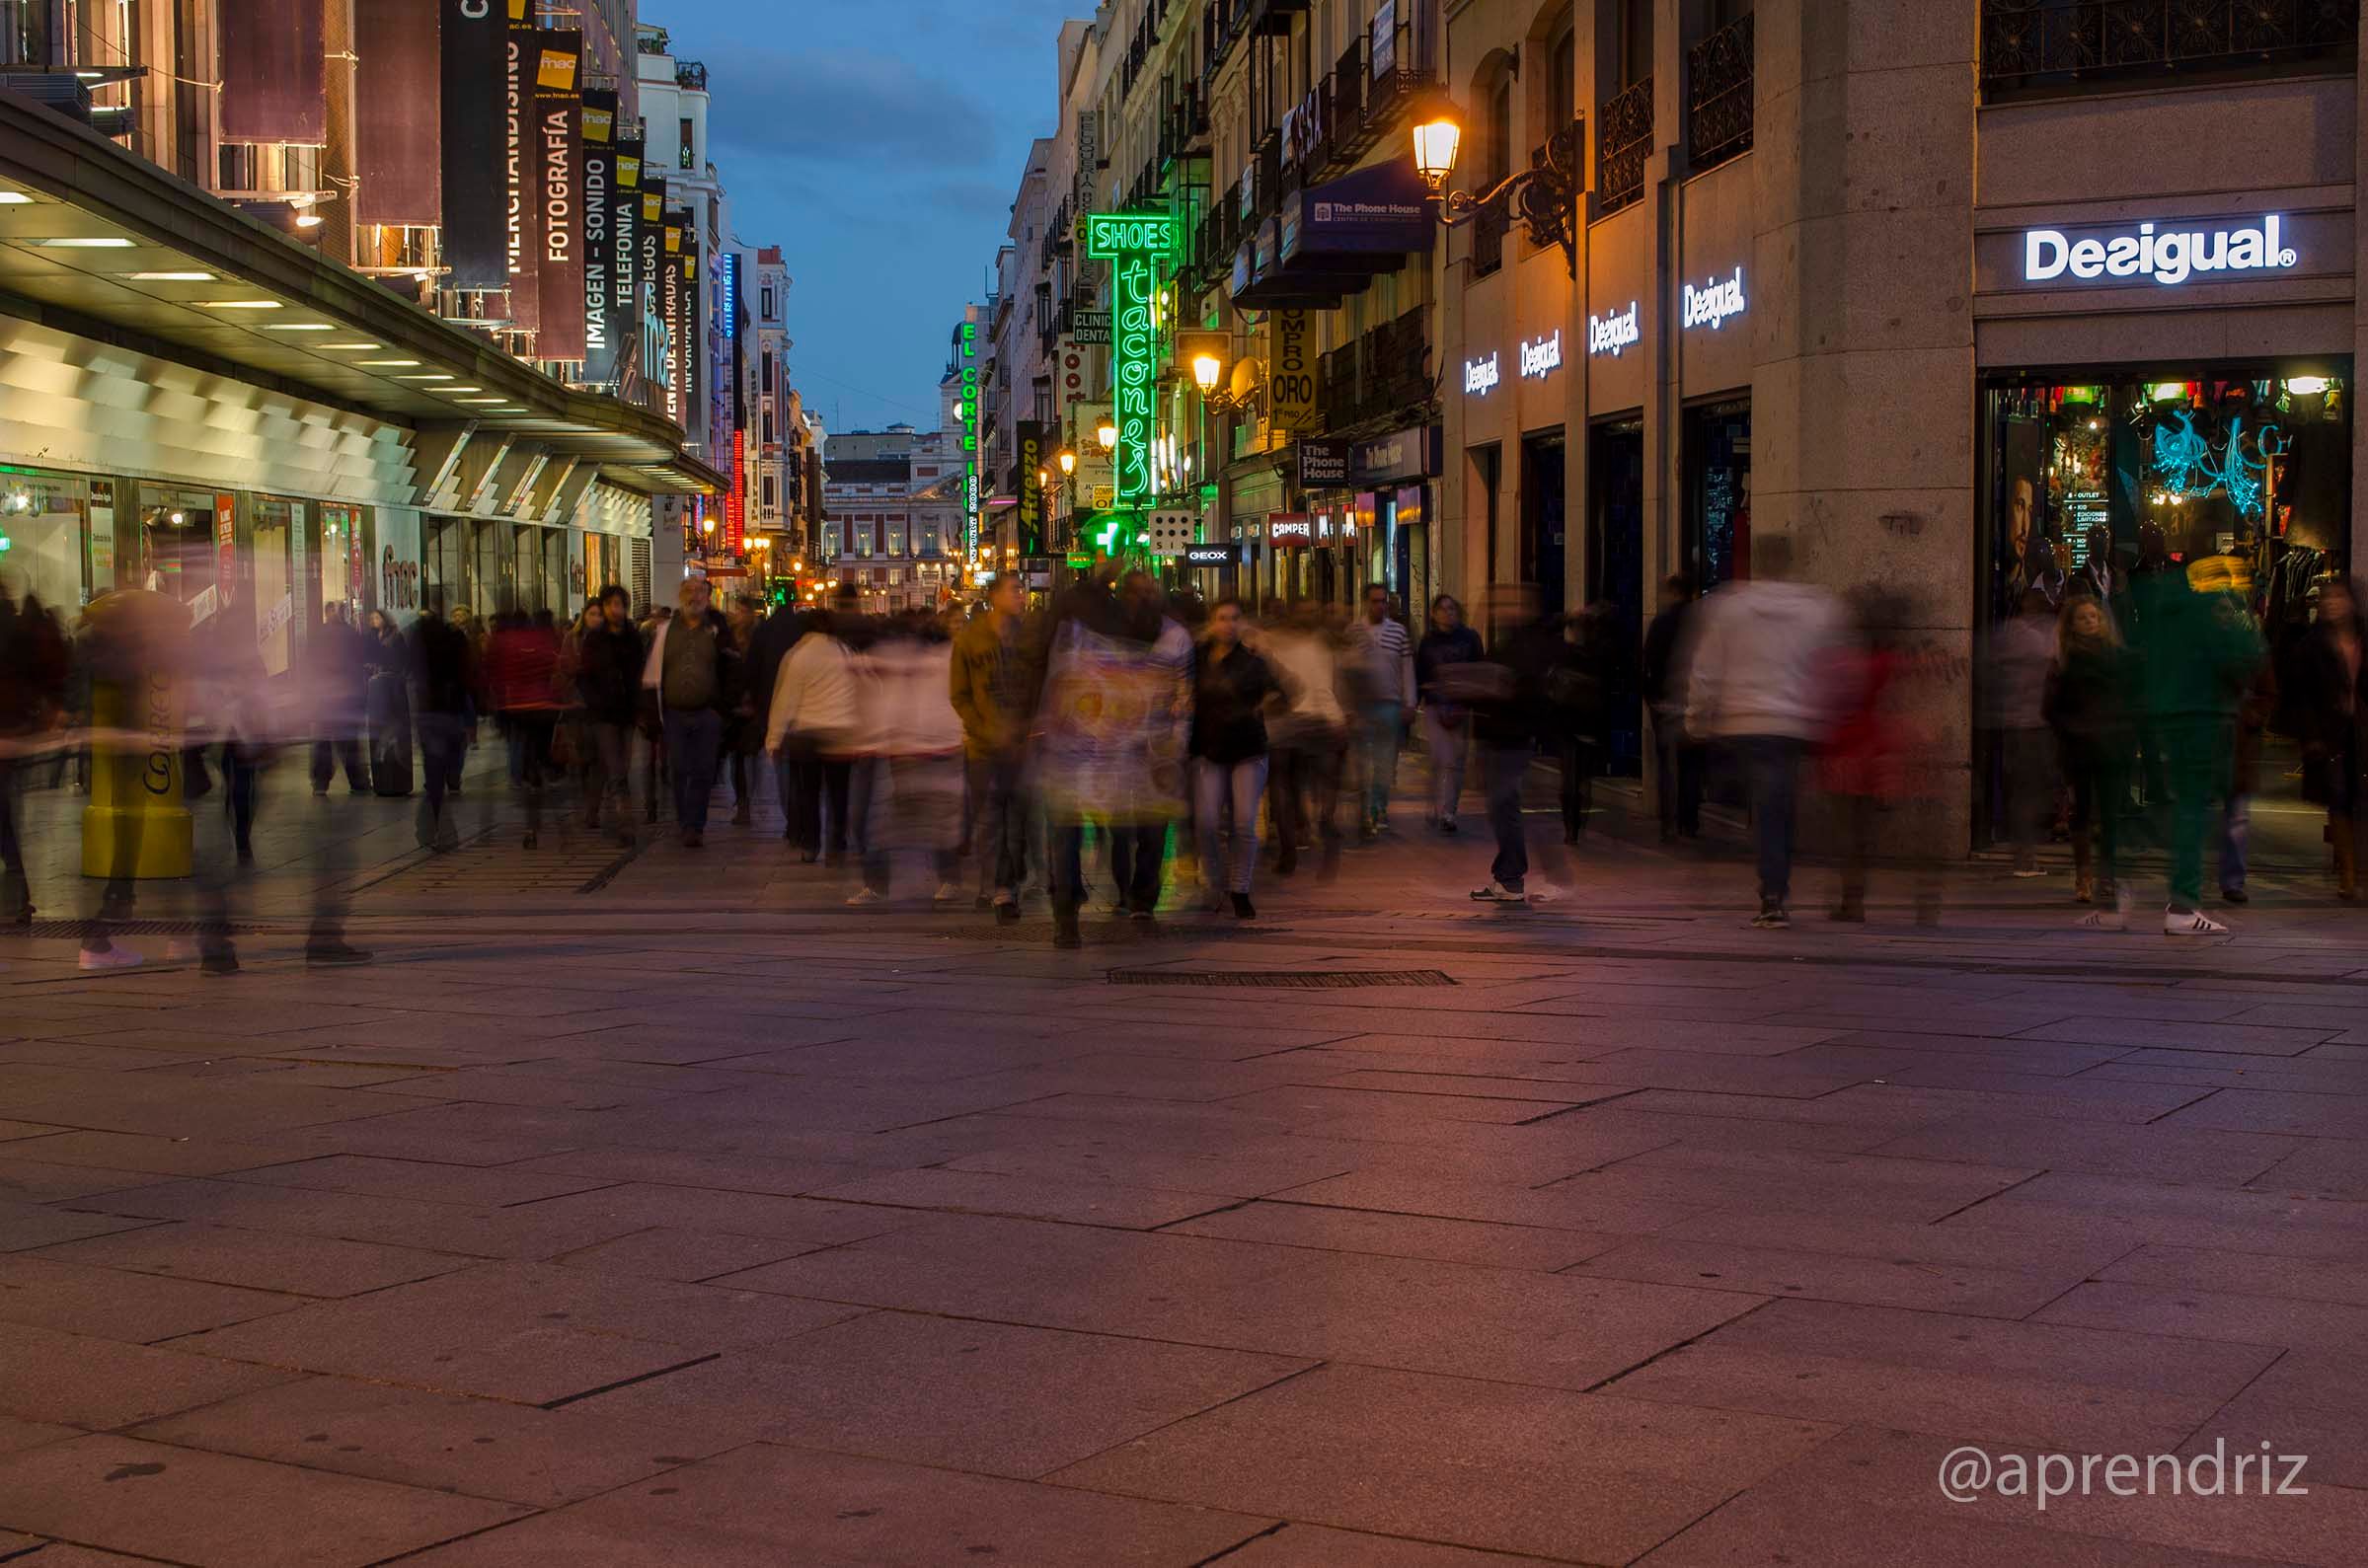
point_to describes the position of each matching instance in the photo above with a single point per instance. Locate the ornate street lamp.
(1545, 195)
(1107, 432)
(1068, 462)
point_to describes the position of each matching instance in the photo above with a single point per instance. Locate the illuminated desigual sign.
(1134, 243)
(1481, 376)
(1542, 357)
(1608, 334)
(1713, 302)
(2170, 256)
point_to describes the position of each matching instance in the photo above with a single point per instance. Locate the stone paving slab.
(761, 1506)
(204, 1508)
(1651, 1239)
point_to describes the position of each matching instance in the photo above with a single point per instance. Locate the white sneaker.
(2190, 923)
(108, 958)
(948, 893)
(1498, 893)
(864, 895)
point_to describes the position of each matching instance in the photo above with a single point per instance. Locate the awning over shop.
(101, 243)
(1329, 241)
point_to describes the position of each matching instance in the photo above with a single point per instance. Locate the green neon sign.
(1135, 244)
(971, 499)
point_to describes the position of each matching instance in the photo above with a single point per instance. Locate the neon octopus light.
(2187, 466)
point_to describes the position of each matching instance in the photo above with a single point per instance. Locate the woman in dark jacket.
(1446, 722)
(1230, 688)
(2333, 700)
(2089, 705)
(608, 682)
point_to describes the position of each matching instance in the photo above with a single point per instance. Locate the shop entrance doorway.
(1616, 577)
(1542, 519)
(1718, 455)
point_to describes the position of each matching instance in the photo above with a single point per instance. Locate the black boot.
(1064, 926)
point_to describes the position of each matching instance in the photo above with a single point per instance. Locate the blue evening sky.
(878, 143)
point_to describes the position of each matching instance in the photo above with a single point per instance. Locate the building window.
(2039, 48)
(772, 495)
(690, 153)
(1629, 35)
(766, 295)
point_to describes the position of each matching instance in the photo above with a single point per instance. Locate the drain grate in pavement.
(1282, 979)
(76, 930)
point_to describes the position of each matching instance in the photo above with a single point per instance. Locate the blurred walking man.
(1754, 685)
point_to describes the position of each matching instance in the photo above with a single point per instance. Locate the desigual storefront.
(2165, 383)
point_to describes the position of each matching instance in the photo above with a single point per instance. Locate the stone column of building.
(1863, 452)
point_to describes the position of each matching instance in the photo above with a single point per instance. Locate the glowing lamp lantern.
(1106, 433)
(1437, 139)
(1068, 462)
(1207, 368)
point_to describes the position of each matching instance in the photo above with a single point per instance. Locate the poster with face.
(2026, 533)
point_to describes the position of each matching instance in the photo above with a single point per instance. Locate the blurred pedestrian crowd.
(1121, 736)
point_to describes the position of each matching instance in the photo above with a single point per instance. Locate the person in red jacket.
(522, 681)
(1877, 756)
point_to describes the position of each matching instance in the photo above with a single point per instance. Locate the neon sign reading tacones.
(1134, 243)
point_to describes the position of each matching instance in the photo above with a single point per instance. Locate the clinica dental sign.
(1609, 334)
(1481, 376)
(1713, 302)
(2168, 256)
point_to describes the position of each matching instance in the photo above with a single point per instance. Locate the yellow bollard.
(137, 824)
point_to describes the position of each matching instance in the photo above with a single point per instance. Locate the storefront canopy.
(104, 245)
(1329, 241)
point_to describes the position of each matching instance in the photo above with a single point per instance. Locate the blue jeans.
(1215, 785)
(1771, 771)
(1378, 741)
(693, 735)
(1502, 770)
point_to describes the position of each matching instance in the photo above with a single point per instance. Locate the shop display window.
(180, 555)
(277, 525)
(43, 535)
(2092, 480)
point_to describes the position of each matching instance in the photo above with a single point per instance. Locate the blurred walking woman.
(1230, 688)
(2333, 697)
(1446, 723)
(2089, 705)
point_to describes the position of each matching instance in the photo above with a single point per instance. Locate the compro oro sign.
(2170, 253)
(1713, 303)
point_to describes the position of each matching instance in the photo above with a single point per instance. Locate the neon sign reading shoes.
(1710, 305)
(1134, 243)
(2170, 257)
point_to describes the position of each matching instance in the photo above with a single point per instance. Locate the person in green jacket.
(2198, 653)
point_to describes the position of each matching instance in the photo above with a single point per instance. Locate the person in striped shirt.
(1381, 675)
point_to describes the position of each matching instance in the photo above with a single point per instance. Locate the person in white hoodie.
(810, 731)
(913, 739)
(1755, 683)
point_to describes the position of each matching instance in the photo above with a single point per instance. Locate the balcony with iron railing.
(1623, 143)
(1718, 95)
(1379, 376)
(2036, 48)
(1399, 71)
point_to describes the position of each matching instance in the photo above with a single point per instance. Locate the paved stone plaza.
(658, 1209)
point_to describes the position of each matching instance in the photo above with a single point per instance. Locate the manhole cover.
(1281, 979)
